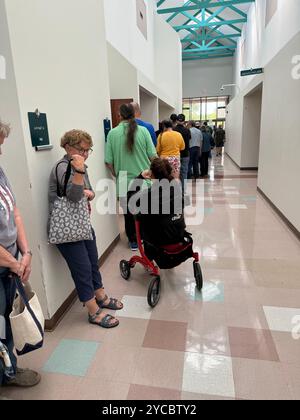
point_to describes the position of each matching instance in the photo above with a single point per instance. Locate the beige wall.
(119, 69)
(205, 77)
(14, 159)
(65, 74)
(149, 108)
(251, 129)
(279, 167)
(157, 59)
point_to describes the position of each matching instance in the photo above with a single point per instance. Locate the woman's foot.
(104, 302)
(103, 320)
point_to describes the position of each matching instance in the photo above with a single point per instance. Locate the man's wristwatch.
(80, 172)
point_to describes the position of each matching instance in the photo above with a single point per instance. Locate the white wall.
(119, 69)
(168, 62)
(261, 44)
(157, 58)
(14, 159)
(251, 129)
(124, 35)
(205, 77)
(65, 74)
(279, 168)
(164, 111)
(274, 48)
(149, 108)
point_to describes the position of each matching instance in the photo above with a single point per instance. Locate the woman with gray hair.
(82, 256)
(12, 242)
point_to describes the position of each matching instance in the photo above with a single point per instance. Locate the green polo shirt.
(128, 165)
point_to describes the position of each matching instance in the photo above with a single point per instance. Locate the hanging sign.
(38, 129)
(252, 72)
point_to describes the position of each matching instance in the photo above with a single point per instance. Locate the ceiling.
(207, 28)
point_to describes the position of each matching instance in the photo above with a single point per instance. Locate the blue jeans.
(184, 171)
(82, 260)
(7, 295)
(194, 162)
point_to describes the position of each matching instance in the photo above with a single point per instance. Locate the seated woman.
(159, 208)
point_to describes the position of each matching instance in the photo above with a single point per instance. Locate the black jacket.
(160, 212)
(186, 134)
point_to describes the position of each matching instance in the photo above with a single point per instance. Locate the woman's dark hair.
(173, 118)
(166, 124)
(162, 169)
(128, 114)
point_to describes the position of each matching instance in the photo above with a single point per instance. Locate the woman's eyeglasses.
(82, 151)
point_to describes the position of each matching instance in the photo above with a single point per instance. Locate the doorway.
(115, 107)
(251, 128)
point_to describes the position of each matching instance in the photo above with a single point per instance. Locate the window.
(196, 109)
(186, 109)
(205, 109)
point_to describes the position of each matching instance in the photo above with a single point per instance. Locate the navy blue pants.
(194, 162)
(7, 295)
(82, 259)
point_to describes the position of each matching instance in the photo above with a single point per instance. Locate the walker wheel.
(154, 292)
(198, 276)
(125, 269)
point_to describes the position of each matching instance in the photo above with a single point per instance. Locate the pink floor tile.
(252, 344)
(140, 392)
(166, 335)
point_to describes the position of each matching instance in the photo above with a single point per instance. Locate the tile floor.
(238, 339)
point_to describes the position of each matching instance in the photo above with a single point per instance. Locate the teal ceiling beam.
(202, 5)
(206, 57)
(219, 18)
(160, 3)
(209, 38)
(204, 49)
(205, 19)
(210, 24)
(238, 11)
(178, 13)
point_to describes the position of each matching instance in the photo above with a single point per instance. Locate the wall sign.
(39, 130)
(107, 127)
(251, 72)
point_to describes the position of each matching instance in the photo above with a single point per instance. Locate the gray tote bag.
(69, 221)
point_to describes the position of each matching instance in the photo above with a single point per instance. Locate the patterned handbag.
(69, 221)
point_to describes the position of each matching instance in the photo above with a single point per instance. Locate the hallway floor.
(236, 340)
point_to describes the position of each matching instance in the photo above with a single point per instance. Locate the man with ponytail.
(129, 152)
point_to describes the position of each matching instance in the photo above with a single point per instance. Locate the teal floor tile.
(211, 292)
(208, 211)
(250, 198)
(72, 357)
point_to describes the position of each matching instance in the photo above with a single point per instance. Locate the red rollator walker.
(165, 257)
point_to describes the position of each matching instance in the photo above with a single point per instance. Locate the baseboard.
(109, 250)
(51, 324)
(249, 169)
(242, 168)
(280, 214)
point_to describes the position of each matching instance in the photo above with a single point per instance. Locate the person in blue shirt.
(206, 149)
(141, 123)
